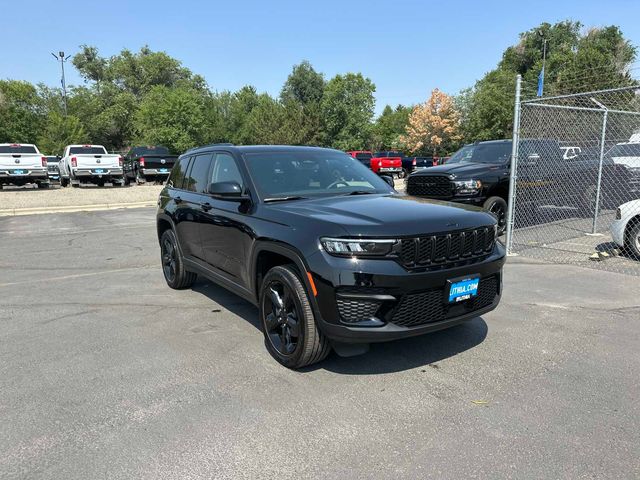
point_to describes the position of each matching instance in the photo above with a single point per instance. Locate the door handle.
(178, 200)
(206, 206)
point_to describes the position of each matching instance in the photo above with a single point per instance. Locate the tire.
(172, 264)
(43, 185)
(75, 185)
(497, 207)
(126, 181)
(404, 173)
(139, 178)
(632, 240)
(64, 182)
(291, 334)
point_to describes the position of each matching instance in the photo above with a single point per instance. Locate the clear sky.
(406, 47)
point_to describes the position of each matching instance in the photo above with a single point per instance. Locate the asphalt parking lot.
(107, 373)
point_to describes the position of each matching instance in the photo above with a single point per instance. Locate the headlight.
(357, 247)
(467, 187)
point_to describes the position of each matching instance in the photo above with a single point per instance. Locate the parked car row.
(479, 174)
(22, 164)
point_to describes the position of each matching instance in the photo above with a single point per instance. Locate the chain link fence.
(575, 172)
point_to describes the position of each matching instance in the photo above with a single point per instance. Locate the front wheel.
(633, 240)
(497, 207)
(290, 331)
(172, 264)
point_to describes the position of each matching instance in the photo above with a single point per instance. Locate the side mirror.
(389, 180)
(226, 190)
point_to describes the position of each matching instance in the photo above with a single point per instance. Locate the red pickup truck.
(382, 165)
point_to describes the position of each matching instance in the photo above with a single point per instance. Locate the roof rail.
(210, 145)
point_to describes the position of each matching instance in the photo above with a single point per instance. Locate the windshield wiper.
(360, 192)
(283, 199)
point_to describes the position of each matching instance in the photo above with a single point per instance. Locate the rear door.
(225, 234)
(190, 199)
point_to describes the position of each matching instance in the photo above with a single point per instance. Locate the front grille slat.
(446, 248)
(436, 186)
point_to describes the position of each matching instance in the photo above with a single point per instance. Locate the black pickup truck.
(150, 163)
(412, 164)
(478, 174)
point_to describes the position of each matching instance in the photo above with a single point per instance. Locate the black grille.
(430, 186)
(431, 306)
(447, 248)
(356, 310)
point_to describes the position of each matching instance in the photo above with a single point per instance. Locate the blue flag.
(541, 82)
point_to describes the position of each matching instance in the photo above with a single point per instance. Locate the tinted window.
(363, 156)
(178, 172)
(483, 153)
(196, 181)
(87, 151)
(225, 169)
(151, 150)
(17, 149)
(311, 173)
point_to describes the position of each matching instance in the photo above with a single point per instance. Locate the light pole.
(544, 61)
(62, 59)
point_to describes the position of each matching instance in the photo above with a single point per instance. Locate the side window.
(196, 181)
(178, 172)
(225, 169)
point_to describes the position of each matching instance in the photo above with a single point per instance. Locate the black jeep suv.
(328, 251)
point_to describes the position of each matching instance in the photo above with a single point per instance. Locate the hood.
(460, 170)
(382, 215)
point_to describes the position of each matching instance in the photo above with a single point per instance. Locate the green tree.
(21, 114)
(347, 109)
(173, 117)
(303, 85)
(389, 126)
(59, 132)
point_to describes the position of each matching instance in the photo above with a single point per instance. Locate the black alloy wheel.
(281, 319)
(169, 259)
(172, 266)
(497, 207)
(291, 334)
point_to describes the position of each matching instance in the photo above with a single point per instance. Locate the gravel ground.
(30, 197)
(107, 373)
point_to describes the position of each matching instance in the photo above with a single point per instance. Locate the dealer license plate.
(462, 290)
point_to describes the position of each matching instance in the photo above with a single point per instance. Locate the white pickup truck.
(81, 164)
(22, 163)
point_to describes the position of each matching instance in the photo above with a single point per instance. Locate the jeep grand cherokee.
(327, 250)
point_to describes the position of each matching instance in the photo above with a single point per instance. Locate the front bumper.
(394, 302)
(617, 231)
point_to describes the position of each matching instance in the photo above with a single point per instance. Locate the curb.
(74, 208)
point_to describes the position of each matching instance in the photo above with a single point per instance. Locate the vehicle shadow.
(424, 350)
(228, 300)
(387, 357)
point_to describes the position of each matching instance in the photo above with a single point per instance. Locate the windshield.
(87, 150)
(311, 173)
(482, 153)
(625, 150)
(140, 151)
(17, 149)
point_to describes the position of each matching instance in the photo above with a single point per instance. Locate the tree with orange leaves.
(433, 125)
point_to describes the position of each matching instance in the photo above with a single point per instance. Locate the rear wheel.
(43, 185)
(290, 331)
(497, 207)
(64, 182)
(140, 180)
(172, 264)
(126, 181)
